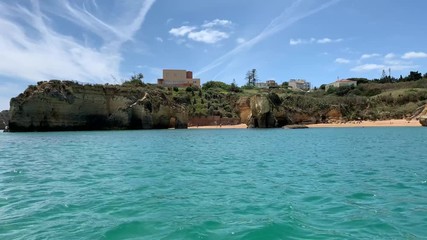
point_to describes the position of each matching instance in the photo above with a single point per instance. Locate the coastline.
(351, 124)
(380, 123)
(238, 126)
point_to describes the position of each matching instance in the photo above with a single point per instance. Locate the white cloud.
(412, 55)
(373, 66)
(32, 49)
(402, 67)
(240, 40)
(217, 22)
(328, 40)
(372, 55)
(342, 60)
(299, 41)
(368, 67)
(390, 56)
(206, 33)
(159, 39)
(208, 36)
(181, 31)
(381, 62)
(395, 61)
(295, 41)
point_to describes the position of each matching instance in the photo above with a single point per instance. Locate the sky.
(107, 41)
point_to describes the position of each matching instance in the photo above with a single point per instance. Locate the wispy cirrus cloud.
(208, 33)
(296, 12)
(33, 48)
(300, 41)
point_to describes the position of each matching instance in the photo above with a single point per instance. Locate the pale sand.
(219, 127)
(382, 123)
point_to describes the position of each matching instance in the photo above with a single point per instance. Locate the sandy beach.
(219, 127)
(382, 123)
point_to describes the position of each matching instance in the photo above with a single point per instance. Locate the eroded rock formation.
(270, 111)
(4, 119)
(65, 105)
(423, 117)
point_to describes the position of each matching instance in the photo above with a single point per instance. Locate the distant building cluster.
(267, 84)
(184, 78)
(178, 78)
(341, 83)
(299, 84)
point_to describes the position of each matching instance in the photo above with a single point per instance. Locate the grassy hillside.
(367, 101)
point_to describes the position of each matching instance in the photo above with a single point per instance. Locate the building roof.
(345, 80)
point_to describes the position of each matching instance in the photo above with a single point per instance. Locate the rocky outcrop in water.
(4, 119)
(65, 105)
(270, 111)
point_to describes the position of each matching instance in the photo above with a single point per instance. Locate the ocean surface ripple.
(358, 183)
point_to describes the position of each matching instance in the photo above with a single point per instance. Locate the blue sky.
(104, 41)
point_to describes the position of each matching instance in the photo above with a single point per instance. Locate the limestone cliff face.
(4, 119)
(260, 112)
(270, 111)
(423, 117)
(64, 105)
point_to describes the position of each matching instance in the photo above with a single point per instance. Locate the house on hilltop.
(341, 83)
(266, 84)
(300, 84)
(178, 78)
(271, 83)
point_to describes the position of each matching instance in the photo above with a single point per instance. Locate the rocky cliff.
(271, 111)
(4, 119)
(259, 111)
(65, 105)
(423, 117)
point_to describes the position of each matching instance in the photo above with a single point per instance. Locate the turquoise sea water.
(356, 183)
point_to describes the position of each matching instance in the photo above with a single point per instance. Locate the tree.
(251, 78)
(323, 86)
(136, 79)
(234, 87)
(215, 84)
(285, 85)
(413, 76)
